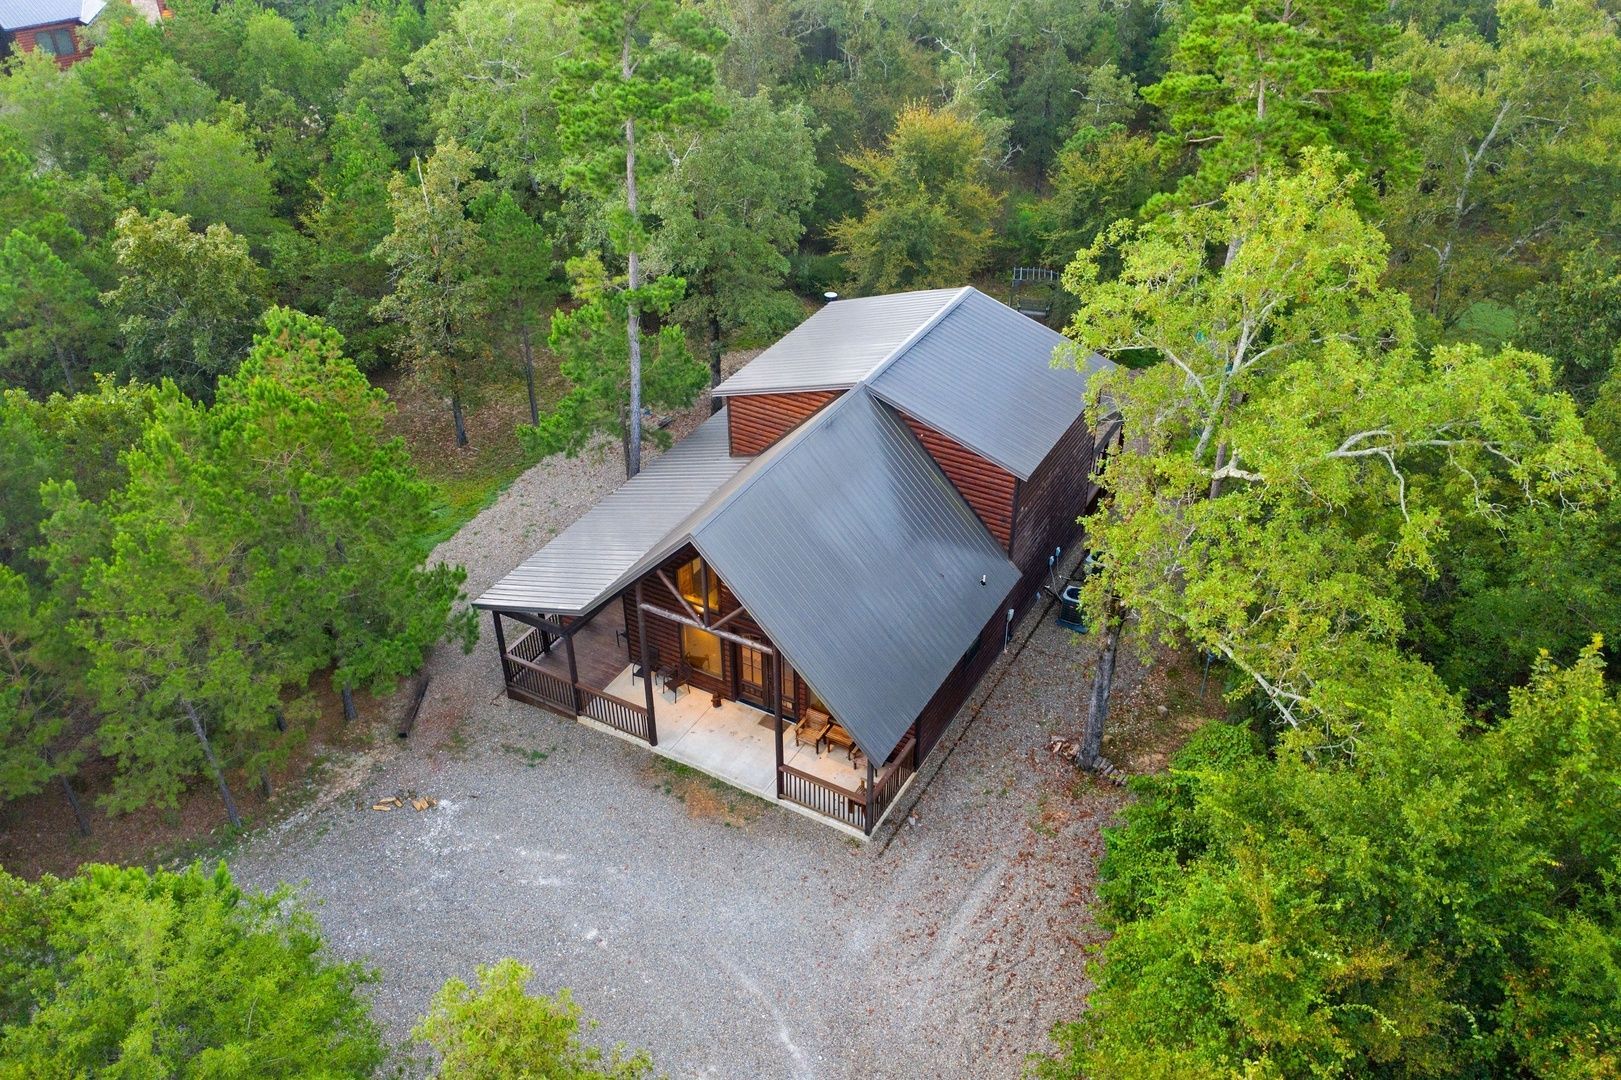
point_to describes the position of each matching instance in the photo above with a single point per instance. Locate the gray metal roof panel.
(640, 521)
(839, 345)
(983, 375)
(21, 14)
(862, 563)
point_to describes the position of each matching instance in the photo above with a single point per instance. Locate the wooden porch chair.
(812, 728)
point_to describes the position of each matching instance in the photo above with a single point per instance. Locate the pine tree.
(438, 258)
(643, 67)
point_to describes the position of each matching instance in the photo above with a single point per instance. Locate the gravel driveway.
(744, 941)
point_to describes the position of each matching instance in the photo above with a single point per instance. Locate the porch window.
(700, 587)
(701, 650)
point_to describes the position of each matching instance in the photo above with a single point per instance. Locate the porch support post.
(573, 673)
(501, 644)
(647, 666)
(776, 712)
(871, 792)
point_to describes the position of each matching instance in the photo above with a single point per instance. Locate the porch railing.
(616, 713)
(824, 797)
(849, 805)
(529, 681)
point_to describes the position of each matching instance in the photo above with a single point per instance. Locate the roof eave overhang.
(722, 391)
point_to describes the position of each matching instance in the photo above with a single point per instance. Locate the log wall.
(756, 421)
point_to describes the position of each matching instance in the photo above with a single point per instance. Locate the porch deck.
(733, 742)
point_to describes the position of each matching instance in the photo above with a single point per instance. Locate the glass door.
(751, 684)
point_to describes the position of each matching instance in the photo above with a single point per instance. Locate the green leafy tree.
(185, 302)
(928, 207)
(1576, 317)
(1250, 86)
(183, 652)
(1514, 138)
(1441, 902)
(642, 68)
(1101, 176)
(438, 256)
(33, 708)
(731, 209)
(595, 360)
(51, 322)
(332, 269)
(498, 1030)
(119, 971)
(521, 282)
(208, 172)
(489, 77)
(342, 536)
(1296, 461)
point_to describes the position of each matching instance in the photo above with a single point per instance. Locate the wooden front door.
(751, 677)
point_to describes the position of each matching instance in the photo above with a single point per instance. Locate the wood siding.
(27, 41)
(758, 420)
(984, 485)
(665, 636)
(1051, 501)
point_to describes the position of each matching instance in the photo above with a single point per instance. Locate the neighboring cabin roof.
(22, 14)
(608, 546)
(840, 344)
(983, 375)
(862, 563)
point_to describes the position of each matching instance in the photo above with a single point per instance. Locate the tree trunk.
(714, 362)
(529, 375)
(349, 713)
(264, 782)
(214, 766)
(456, 414)
(73, 796)
(67, 370)
(1097, 712)
(633, 322)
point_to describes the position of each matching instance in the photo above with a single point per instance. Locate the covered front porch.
(577, 668)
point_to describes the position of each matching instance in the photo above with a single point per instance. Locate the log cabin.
(798, 597)
(57, 27)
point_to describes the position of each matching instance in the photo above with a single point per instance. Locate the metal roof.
(841, 344)
(637, 524)
(21, 14)
(862, 563)
(983, 375)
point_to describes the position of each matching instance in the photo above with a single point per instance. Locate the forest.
(1359, 263)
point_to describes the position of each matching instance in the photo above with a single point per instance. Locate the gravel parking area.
(728, 937)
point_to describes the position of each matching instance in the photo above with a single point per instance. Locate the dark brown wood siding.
(1053, 499)
(28, 41)
(986, 486)
(758, 420)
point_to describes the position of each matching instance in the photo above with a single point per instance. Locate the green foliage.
(51, 327)
(591, 346)
(1343, 457)
(1251, 86)
(648, 65)
(1100, 178)
(122, 972)
(730, 209)
(1576, 316)
(490, 76)
(209, 172)
(498, 1031)
(1438, 903)
(438, 257)
(31, 705)
(927, 204)
(332, 269)
(1515, 139)
(185, 301)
